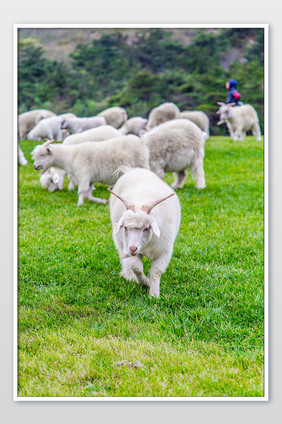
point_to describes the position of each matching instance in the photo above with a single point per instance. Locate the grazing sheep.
(92, 162)
(199, 118)
(78, 125)
(135, 125)
(28, 120)
(115, 116)
(145, 223)
(47, 128)
(105, 132)
(53, 179)
(162, 113)
(67, 115)
(175, 146)
(22, 160)
(239, 120)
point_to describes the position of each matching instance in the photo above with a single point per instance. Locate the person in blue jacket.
(233, 95)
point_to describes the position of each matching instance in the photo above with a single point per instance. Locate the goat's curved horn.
(147, 208)
(220, 103)
(127, 204)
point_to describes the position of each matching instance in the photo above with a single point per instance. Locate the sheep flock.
(130, 156)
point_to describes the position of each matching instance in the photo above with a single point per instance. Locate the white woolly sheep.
(239, 120)
(102, 133)
(47, 128)
(78, 125)
(162, 113)
(199, 118)
(28, 120)
(67, 115)
(145, 215)
(105, 132)
(53, 179)
(175, 146)
(22, 160)
(115, 116)
(135, 125)
(92, 162)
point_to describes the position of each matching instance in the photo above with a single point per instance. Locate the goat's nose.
(133, 249)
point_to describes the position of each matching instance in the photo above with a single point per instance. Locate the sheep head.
(137, 224)
(42, 155)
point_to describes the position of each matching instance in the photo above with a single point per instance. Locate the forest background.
(86, 70)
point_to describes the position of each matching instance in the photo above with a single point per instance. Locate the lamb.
(115, 116)
(28, 120)
(199, 118)
(105, 132)
(53, 179)
(162, 113)
(47, 128)
(145, 214)
(102, 133)
(175, 146)
(239, 120)
(135, 125)
(92, 162)
(78, 125)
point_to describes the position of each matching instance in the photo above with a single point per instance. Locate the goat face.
(137, 231)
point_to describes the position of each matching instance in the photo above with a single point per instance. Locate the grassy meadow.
(84, 331)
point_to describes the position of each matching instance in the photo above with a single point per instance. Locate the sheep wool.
(199, 118)
(47, 128)
(135, 125)
(239, 120)
(92, 162)
(176, 146)
(115, 116)
(28, 120)
(162, 113)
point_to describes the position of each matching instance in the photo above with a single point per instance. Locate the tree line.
(144, 71)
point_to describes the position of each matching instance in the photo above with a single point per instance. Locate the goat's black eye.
(125, 228)
(146, 229)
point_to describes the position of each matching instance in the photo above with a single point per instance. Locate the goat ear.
(118, 226)
(155, 228)
(49, 149)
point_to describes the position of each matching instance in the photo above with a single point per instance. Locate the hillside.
(85, 70)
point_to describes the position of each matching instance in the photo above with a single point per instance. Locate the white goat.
(47, 128)
(199, 118)
(162, 113)
(92, 162)
(239, 120)
(105, 132)
(28, 120)
(135, 125)
(78, 125)
(145, 223)
(175, 146)
(115, 116)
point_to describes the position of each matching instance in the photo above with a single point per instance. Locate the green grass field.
(85, 331)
